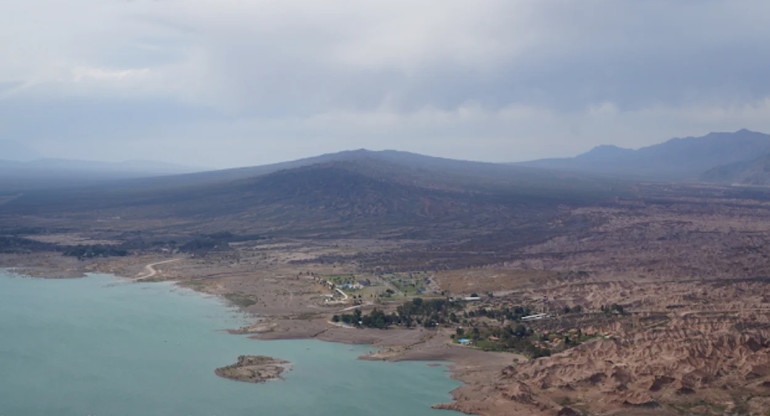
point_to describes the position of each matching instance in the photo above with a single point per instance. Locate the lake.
(101, 345)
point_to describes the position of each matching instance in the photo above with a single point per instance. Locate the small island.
(254, 369)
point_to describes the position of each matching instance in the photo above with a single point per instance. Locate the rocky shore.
(254, 369)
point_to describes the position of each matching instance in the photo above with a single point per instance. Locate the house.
(534, 317)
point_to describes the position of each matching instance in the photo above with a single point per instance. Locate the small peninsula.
(254, 369)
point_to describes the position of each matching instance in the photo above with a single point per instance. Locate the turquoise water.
(103, 346)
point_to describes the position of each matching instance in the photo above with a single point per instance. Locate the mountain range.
(65, 173)
(368, 194)
(723, 155)
(741, 158)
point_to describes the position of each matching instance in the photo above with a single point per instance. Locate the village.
(534, 327)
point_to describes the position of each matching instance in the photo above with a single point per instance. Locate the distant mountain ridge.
(57, 173)
(742, 157)
(676, 159)
(362, 193)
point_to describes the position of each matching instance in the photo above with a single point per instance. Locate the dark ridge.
(678, 159)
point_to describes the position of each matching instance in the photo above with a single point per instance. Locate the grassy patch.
(411, 284)
(241, 300)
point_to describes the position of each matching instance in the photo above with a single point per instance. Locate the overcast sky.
(221, 83)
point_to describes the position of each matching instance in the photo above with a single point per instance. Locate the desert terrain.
(564, 206)
(654, 304)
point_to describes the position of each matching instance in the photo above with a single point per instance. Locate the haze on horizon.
(233, 83)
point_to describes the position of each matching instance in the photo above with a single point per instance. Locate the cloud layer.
(227, 83)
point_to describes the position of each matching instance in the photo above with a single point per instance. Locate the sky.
(225, 83)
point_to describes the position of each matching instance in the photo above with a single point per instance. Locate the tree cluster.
(574, 309)
(507, 338)
(428, 313)
(98, 250)
(13, 244)
(614, 308)
(418, 311)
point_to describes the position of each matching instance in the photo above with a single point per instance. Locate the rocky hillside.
(355, 193)
(755, 172)
(676, 159)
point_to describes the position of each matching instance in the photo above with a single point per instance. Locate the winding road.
(344, 295)
(150, 271)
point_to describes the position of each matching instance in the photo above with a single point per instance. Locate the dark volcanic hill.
(359, 193)
(676, 159)
(400, 166)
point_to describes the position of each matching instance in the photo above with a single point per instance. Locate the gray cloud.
(224, 83)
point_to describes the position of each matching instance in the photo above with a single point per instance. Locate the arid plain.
(650, 303)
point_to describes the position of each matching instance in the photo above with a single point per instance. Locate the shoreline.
(477, 370)
(473, 368)
(656, 301)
